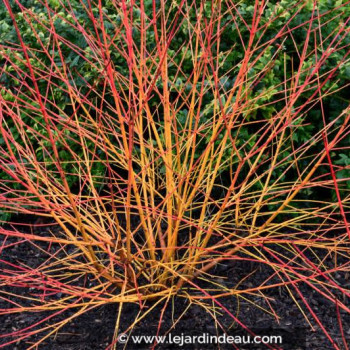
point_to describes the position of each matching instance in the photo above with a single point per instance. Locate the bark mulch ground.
(94, 329)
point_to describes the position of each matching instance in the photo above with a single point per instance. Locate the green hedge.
(231, 47)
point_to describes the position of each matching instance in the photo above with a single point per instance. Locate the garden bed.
(94, 329)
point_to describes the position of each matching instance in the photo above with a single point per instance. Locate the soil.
(94, 329)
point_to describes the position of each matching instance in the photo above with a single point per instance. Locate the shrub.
(164, 138)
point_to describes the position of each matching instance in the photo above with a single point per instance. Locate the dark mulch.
(94, 329)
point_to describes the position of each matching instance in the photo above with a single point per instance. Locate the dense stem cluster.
(157, 148)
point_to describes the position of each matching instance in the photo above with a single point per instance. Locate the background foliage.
(277, 62)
